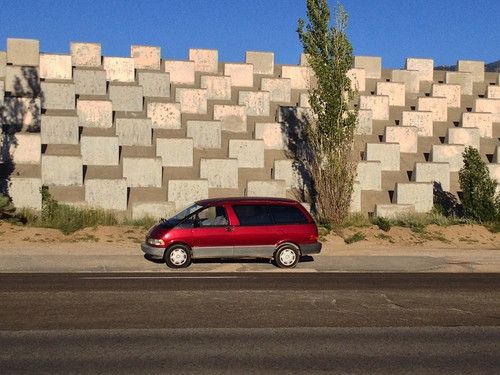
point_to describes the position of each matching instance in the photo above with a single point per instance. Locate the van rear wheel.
(177, 256)
(287, 256)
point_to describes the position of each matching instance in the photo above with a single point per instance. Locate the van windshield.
(183, 214)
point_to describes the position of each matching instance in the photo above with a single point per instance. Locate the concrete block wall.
(144, 136)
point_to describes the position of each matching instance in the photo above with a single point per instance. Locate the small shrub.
(7, 209)
(356, 220)
(146, 222)
(383, 223)
(383, 236)
(356, 237)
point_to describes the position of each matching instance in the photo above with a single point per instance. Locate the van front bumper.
(154, 252)
(311, 248)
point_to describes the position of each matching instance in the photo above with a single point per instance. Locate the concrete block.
(279, 89)
(89, 81)
(220, 173)
(420, 194)
(304, 59)
(476, 68)
(175, 152)
(411, 79)
(153, 210)
(433, 172)
(218, 87)
(387, 153)
(496, 156)
(164, 115)
(372, 65)
(126, 97)
(99, 150)
(358, 79)
(257, 103)
(355, 205)
(181, 72)
(452, 93)
(205, 60)
(263, 62)
(94, 113)
(438, 107)
(3, 63)
(421, 120)
(424, 67)
(25, 192)
(494, 170)
(142, 172)
(272, 135)
(301, 77)
(365, 122)
(192, 100)
(463, 136)
(23, 52)
(2, 92)
(489, 106)
(22, 113)
(185, 192)
(205, 134)
(369, 175)
(119, 69)
(451, 154)
(232, 117)
(268, 188)
(460, 78)
(55, 66)
(133, 131)
(27, 148)
(287, 170)
(154, 84)
(241, 74)
(107, 194)
(406, 136)
(395, 91)
(58, 95)
(86, 54)
(379, 105)
(250, 153)
(59, 129)
(393, 211)
(62, 170)
(22, 80)
(304, 100)
(146, 57)
(482, 121)
(493, 92)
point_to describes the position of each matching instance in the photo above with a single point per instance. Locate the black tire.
(287, 256)
(177, 256)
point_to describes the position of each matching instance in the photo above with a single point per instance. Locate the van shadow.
(303, 259)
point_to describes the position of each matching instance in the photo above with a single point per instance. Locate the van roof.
(206, 202)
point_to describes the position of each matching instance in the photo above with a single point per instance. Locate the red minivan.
(276, 228)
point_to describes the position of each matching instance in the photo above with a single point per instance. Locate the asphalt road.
(234, 323)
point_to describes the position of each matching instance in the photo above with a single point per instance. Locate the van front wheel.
(177, 256)
(287, 256)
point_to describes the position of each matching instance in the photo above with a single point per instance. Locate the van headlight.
(155, 242)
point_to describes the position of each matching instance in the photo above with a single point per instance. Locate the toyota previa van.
(280, 229)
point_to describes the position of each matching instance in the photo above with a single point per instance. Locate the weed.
(356, 220)
(383, 223)
(146, 222)
(383, 236)
(356, 237)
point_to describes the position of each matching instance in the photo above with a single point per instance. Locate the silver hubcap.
(287, 257)
(178, 257)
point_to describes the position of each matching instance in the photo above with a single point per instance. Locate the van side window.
(214, 216)
(253, 214)
(287, 215)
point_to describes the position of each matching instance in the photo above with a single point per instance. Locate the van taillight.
(313, 237)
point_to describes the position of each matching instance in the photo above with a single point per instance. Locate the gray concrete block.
(482, 121)
(476, 68)
(420, 194)
(119, 69)
(406, 136)
(85, 54)
(433, 172)
(241, 74)
(22, 80)
(192, 101)
(365, 122)
(263, 62)
(304, 100)
(59, 129)
(452, 93)
(493, 92)
(89, 81)
(164, 115)
(355, 205)
(27, 148)
(3, 63)
(58, 95)
(371, 64)
(464, 79)
(2, 92)
(126, 98)
(205, 134)
(494, 170)
(154, 84)
(438, 107)
(379, 105)
(272, 134)
(496, 155)
(25, 192)
(369, 175)
(181, 72)
(424, 67)
(266, 188)
(394, 90)
(205, 60)
(23, 52)
(358, 79)
(133, 131)
(279, 89)
(301, 77)
(185, 192)
(257, 103)
(146, 57)
(488, 105)
(411, 79)
(451, 154)
(464, 136)
(142, 172)
(393, 211)
(106, 194)
(220, 173)
(153, 210)
(287, 170)
(423, 121)
(175, 152)
(62, 170)
(99, 150)
(250, 153)
(54, 66)
(218, 87)
(387, 153)
(22, 113)
(232, 117)
(94, 113)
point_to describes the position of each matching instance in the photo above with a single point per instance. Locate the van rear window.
(287, 215)
(253, 214)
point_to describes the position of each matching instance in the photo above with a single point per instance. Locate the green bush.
(7, 209)
(358, 236)
(145, 222)
(382, 223)
(478, 189)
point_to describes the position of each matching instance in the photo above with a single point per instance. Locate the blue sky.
(445, 30)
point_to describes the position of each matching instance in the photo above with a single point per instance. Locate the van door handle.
(229, 229)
